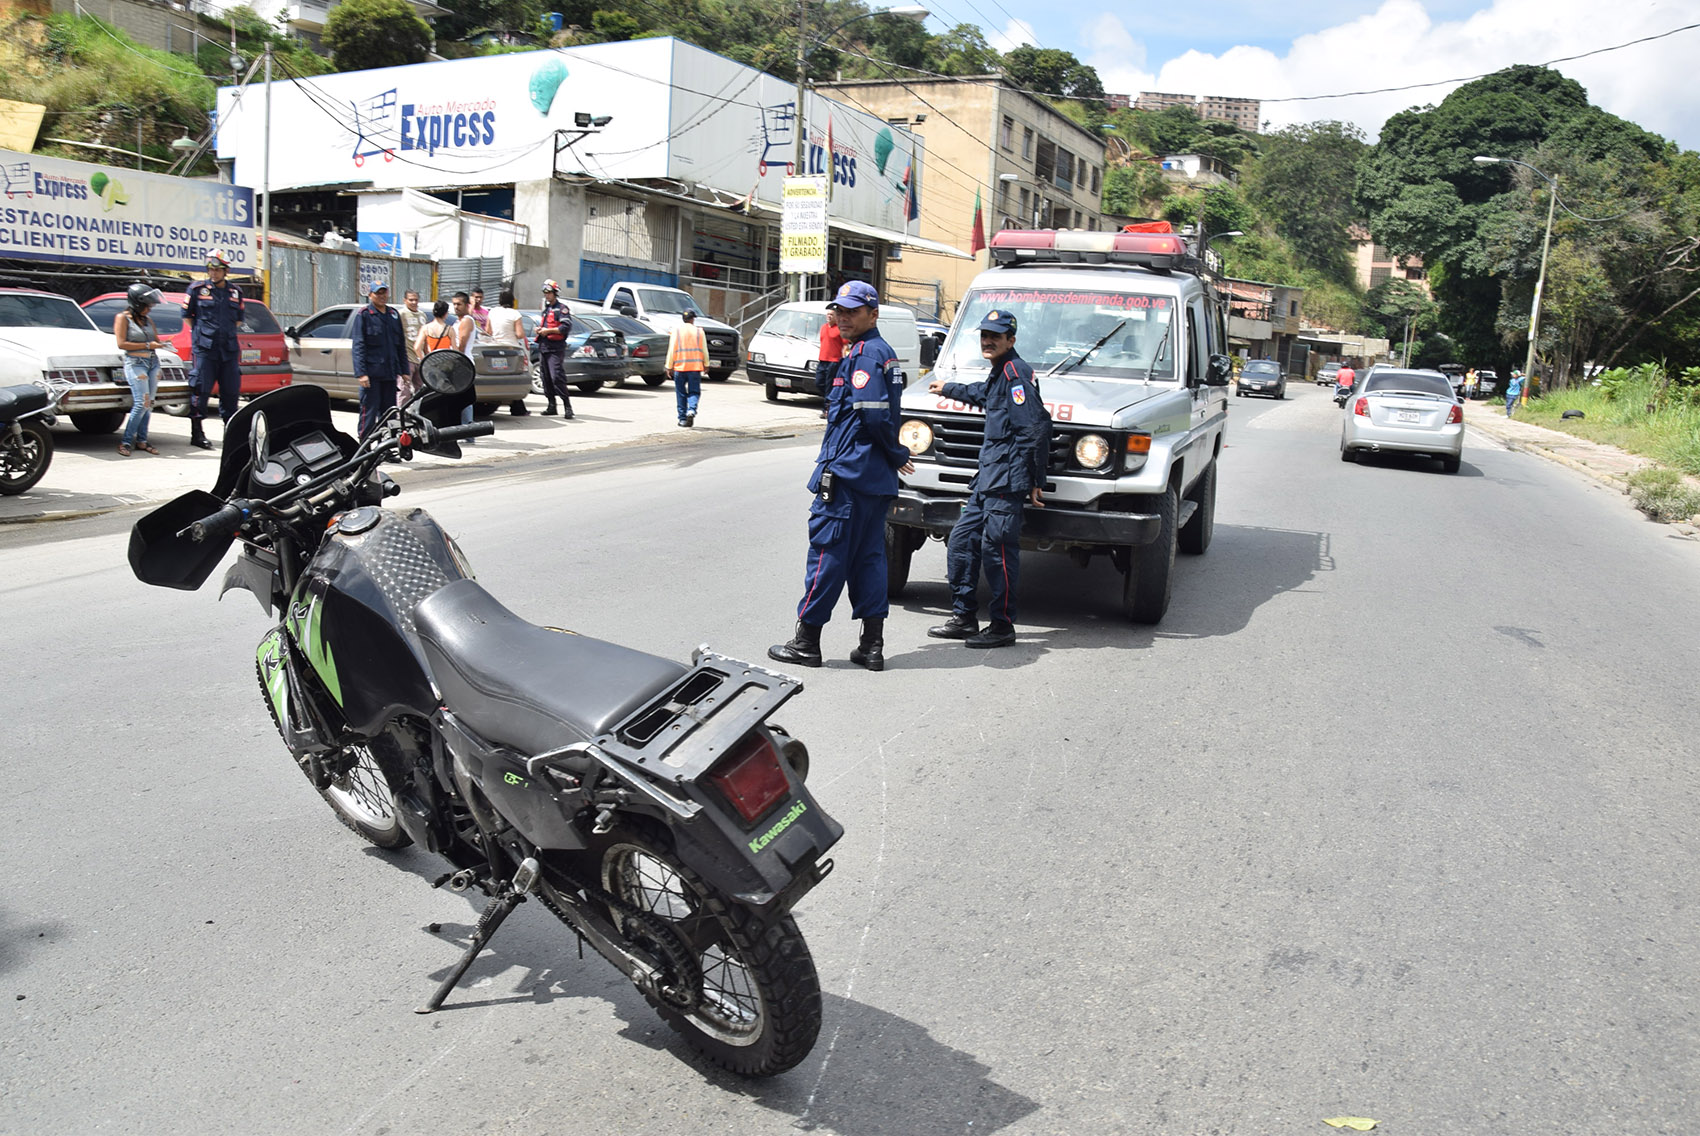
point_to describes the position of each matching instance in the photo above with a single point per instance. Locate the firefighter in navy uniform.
(214, 311)
(554, 325)
(1013, 458)
(854, 480)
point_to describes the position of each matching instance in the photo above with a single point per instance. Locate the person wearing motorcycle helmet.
(214, 313)
(138, 339)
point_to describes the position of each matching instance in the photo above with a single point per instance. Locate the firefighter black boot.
(803, 649)
(870, 652)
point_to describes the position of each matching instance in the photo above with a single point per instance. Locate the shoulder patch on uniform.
(1018, 393)
(859, 379)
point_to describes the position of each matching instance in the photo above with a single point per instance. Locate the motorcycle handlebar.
(470, 430)
(219, 525)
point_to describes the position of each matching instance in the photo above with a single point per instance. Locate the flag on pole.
(977, 239)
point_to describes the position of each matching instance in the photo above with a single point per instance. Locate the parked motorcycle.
(651, 806)
(26, 443)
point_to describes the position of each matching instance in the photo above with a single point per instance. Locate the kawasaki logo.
(779, 826)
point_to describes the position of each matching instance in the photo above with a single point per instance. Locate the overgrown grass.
(1663, 495)
(98, 84)
(1642, 410)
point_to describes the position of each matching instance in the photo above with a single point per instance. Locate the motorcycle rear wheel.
(22, 462)
(760, 1009)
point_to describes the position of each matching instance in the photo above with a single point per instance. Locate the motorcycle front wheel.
(360, 796)
(759, 1012)
(23, 460)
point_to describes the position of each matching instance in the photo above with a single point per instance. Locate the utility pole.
(1540, 285)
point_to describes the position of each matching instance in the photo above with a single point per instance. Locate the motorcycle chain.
(654, 935)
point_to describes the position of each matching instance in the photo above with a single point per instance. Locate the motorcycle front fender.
(254, 572)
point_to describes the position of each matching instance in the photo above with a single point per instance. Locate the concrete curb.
(1523, 445)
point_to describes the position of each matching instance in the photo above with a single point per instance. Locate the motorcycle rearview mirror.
(258, 450)
(447, 371)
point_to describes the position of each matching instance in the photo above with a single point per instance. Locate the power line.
(1483, 75)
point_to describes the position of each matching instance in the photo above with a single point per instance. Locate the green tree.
(364, 34)
(1622, 282)
(963, 50)
(1048, 71)
(1304, 183)
(467, 18)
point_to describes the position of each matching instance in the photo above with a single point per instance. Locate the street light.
(907, 11)
(1219, 236)
(1541, 277)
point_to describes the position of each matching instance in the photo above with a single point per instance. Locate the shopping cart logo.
(18, 179)
(778, 132)
(375, 127)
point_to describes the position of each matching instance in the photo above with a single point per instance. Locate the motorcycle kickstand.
(497, 910)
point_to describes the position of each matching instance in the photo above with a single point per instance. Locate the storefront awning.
(891, 236)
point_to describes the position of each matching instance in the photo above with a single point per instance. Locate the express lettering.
(843, 165)
(49, 186)
(429, 132)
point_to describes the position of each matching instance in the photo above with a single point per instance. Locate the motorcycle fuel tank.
(352, 612)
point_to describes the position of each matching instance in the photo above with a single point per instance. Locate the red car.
(265, 355)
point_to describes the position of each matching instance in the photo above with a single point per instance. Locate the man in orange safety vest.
(687, 359)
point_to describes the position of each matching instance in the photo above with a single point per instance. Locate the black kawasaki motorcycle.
(26, 444)
(650, 805)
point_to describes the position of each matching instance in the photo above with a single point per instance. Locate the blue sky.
(1269, 50)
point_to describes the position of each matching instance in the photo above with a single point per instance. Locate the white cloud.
(1117, 56)
(1399, 44)
(1014, 34)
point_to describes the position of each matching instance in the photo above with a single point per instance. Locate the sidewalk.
(88, 476)
(1605, 464)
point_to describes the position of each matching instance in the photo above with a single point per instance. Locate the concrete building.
(1375, 264)
(1032, 167)
(1265, 320)
(588, 165)
(1197, 169)
(1243, 113)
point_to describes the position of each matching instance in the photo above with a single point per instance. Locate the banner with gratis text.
(81, 213)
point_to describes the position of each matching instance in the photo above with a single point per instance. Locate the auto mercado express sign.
(79, 213)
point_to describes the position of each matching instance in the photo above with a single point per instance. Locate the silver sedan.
(1409, 411)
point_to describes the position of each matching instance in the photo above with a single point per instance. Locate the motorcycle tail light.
(1361, 407)
(750, 778)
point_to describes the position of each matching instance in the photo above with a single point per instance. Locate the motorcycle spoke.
(728, 988)
(362, 789)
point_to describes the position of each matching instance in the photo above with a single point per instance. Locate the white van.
(783, 353)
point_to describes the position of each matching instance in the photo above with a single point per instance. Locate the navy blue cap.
(855, 294)
(999, 321)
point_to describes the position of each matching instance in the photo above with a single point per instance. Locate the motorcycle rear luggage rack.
(692, 724)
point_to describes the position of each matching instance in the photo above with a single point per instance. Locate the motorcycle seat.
(17, 401)
(526, 686)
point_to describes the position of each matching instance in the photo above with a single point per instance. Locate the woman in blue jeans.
(138, 339)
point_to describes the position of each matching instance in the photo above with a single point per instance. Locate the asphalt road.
(1392, 817)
